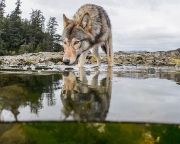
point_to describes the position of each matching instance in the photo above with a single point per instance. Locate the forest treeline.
(18, 35)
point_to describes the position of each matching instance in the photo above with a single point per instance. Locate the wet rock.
(118, 64)
(151, 70)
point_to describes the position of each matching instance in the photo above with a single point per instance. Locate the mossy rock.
(56, 60)
(1, 62)
(176, 62)
(28, 63)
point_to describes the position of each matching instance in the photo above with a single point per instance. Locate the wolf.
(89, 29)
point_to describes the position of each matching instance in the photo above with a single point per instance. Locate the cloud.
(137, 24)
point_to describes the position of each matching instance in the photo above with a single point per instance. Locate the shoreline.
(47, 60)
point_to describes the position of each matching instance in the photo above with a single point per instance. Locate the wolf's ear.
(66, 21)
(86, 22)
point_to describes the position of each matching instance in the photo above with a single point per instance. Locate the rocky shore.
(159, 58)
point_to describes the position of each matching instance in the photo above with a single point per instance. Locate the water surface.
(148, 96)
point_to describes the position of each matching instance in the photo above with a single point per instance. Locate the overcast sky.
(137, 24)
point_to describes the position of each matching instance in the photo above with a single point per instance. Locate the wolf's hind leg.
(109, 48)
(95, 52)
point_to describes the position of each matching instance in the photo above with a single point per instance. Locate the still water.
(91, 95)
(50, 107)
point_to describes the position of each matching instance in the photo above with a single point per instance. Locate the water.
(121, 96)
(143, 103)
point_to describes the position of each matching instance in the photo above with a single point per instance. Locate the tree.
(54, 40)
(52, 26)
(37, 28)
(2, 6)
(16, 14)
(19, 35)
(14, 31)
(2, 44)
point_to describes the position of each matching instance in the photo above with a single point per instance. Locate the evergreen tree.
(16, 14)
(15, 29)
(19, 35)
(37, 27)
(54, 40)
(2, 11)
(52, 26)
(2, 6)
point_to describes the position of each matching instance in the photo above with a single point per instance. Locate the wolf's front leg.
(82, 59)
(95, 52)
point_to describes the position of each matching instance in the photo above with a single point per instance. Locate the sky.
(148, 25)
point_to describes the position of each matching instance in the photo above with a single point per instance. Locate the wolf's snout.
(66, 61)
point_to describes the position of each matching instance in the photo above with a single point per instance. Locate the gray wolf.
(90, 28)
(86, 97)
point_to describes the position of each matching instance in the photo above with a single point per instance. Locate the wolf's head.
(77, 38)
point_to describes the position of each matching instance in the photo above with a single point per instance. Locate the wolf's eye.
(76, 42)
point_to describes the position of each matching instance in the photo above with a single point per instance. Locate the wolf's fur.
(89, 29)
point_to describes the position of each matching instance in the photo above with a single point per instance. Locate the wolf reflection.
(86, 99)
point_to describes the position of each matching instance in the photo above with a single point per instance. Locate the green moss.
(176, 62)
(14, 135)
(93, 60)
(78, 133)
(29, 63)
(88, 133)
(1, 62)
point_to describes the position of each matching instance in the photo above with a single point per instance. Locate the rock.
(151, 70)
(160, 58)
(1, 62)
(55, 60)
(32, 67)
(160, 63)
(150, 62)
(118, 64)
